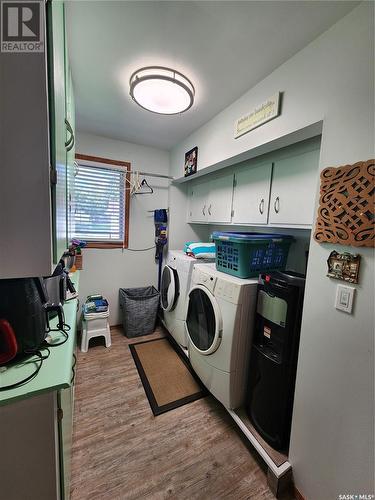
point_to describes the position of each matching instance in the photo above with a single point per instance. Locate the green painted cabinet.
(36, 421)
(211, 201)
(62, 122)
(65, 401)
(56, 76)
(71, 165)
(34, 157)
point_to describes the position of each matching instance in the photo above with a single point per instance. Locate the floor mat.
(167, 378)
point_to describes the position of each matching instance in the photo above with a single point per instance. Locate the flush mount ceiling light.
(161, 90)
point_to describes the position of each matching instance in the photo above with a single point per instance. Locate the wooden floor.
(121, 451)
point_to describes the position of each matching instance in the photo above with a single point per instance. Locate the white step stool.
(95, 325)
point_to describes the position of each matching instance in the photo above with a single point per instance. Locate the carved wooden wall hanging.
(346, 205)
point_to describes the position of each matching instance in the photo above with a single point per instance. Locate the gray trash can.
(139, 310)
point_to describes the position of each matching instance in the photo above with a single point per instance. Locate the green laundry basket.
(245, 255)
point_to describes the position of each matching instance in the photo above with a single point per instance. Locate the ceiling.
(225, 48)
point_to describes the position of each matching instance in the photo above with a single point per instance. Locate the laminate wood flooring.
(121, 451)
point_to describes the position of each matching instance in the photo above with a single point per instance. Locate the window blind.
(99, 204)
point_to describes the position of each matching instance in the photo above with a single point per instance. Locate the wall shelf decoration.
(191, 161)
(346, 205)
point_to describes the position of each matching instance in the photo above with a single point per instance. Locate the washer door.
(169, 288)
(204, 323)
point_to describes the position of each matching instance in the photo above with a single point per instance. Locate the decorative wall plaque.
(346, 205)
(191, 160)
(344, 266)
(260, 115)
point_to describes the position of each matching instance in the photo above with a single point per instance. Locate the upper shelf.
(302, 134)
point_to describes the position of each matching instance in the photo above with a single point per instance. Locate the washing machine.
(174, 287)
(219, 325)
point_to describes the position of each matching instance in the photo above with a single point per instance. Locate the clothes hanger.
(135, 184)
(144, 184)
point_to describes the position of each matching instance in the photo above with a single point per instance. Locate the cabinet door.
(70, 167)
(198, 202)
(251, 194)
(58, 128)
(65, 405)
(29, 459)
(293, 189)
(220, 199)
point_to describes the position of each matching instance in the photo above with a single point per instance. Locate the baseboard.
(298, 494)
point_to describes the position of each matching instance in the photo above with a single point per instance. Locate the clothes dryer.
(219, 324)
(175, 284)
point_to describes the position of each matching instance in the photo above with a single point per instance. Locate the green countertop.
(56, 371)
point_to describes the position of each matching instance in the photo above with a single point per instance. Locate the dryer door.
(169, 288)
(204, 323)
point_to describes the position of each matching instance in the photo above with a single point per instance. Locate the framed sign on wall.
(263, 113)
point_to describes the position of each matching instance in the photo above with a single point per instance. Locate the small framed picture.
(344, 266)
(191, 160)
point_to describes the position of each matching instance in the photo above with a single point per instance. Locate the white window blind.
(99, 204)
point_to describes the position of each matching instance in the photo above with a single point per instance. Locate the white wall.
(332, 440)
(105, 271)
(180, 231)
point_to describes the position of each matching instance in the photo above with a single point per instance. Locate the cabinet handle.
(276, 205)
(73, 369)
(261, 206)
(69, 144)
(204, 210)
(209, 210)
(70, 130)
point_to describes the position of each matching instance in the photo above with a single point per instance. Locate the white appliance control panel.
(228, 291)
(202, 278)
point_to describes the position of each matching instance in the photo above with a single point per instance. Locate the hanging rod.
(149, 174)
(133, 172)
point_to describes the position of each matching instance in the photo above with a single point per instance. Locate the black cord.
(139, 249)
(41, 358)
(64, 329)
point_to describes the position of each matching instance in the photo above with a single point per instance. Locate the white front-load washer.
(174, 287)
(219, 324)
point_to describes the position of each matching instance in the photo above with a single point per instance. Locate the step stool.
(95, 325)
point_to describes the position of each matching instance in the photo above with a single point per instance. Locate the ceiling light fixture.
(161, 90)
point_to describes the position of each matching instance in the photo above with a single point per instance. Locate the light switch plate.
(344, 298)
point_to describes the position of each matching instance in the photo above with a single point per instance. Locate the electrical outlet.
(344, 298)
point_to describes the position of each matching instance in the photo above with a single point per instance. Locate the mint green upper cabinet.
(71, 165)
(56, 31)
(294, 182)
(70, 151)
(198, 199)
(211, 201)
(219, 204)
(33, 181)
(252, 193)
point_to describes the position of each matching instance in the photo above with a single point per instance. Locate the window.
(101, 196)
